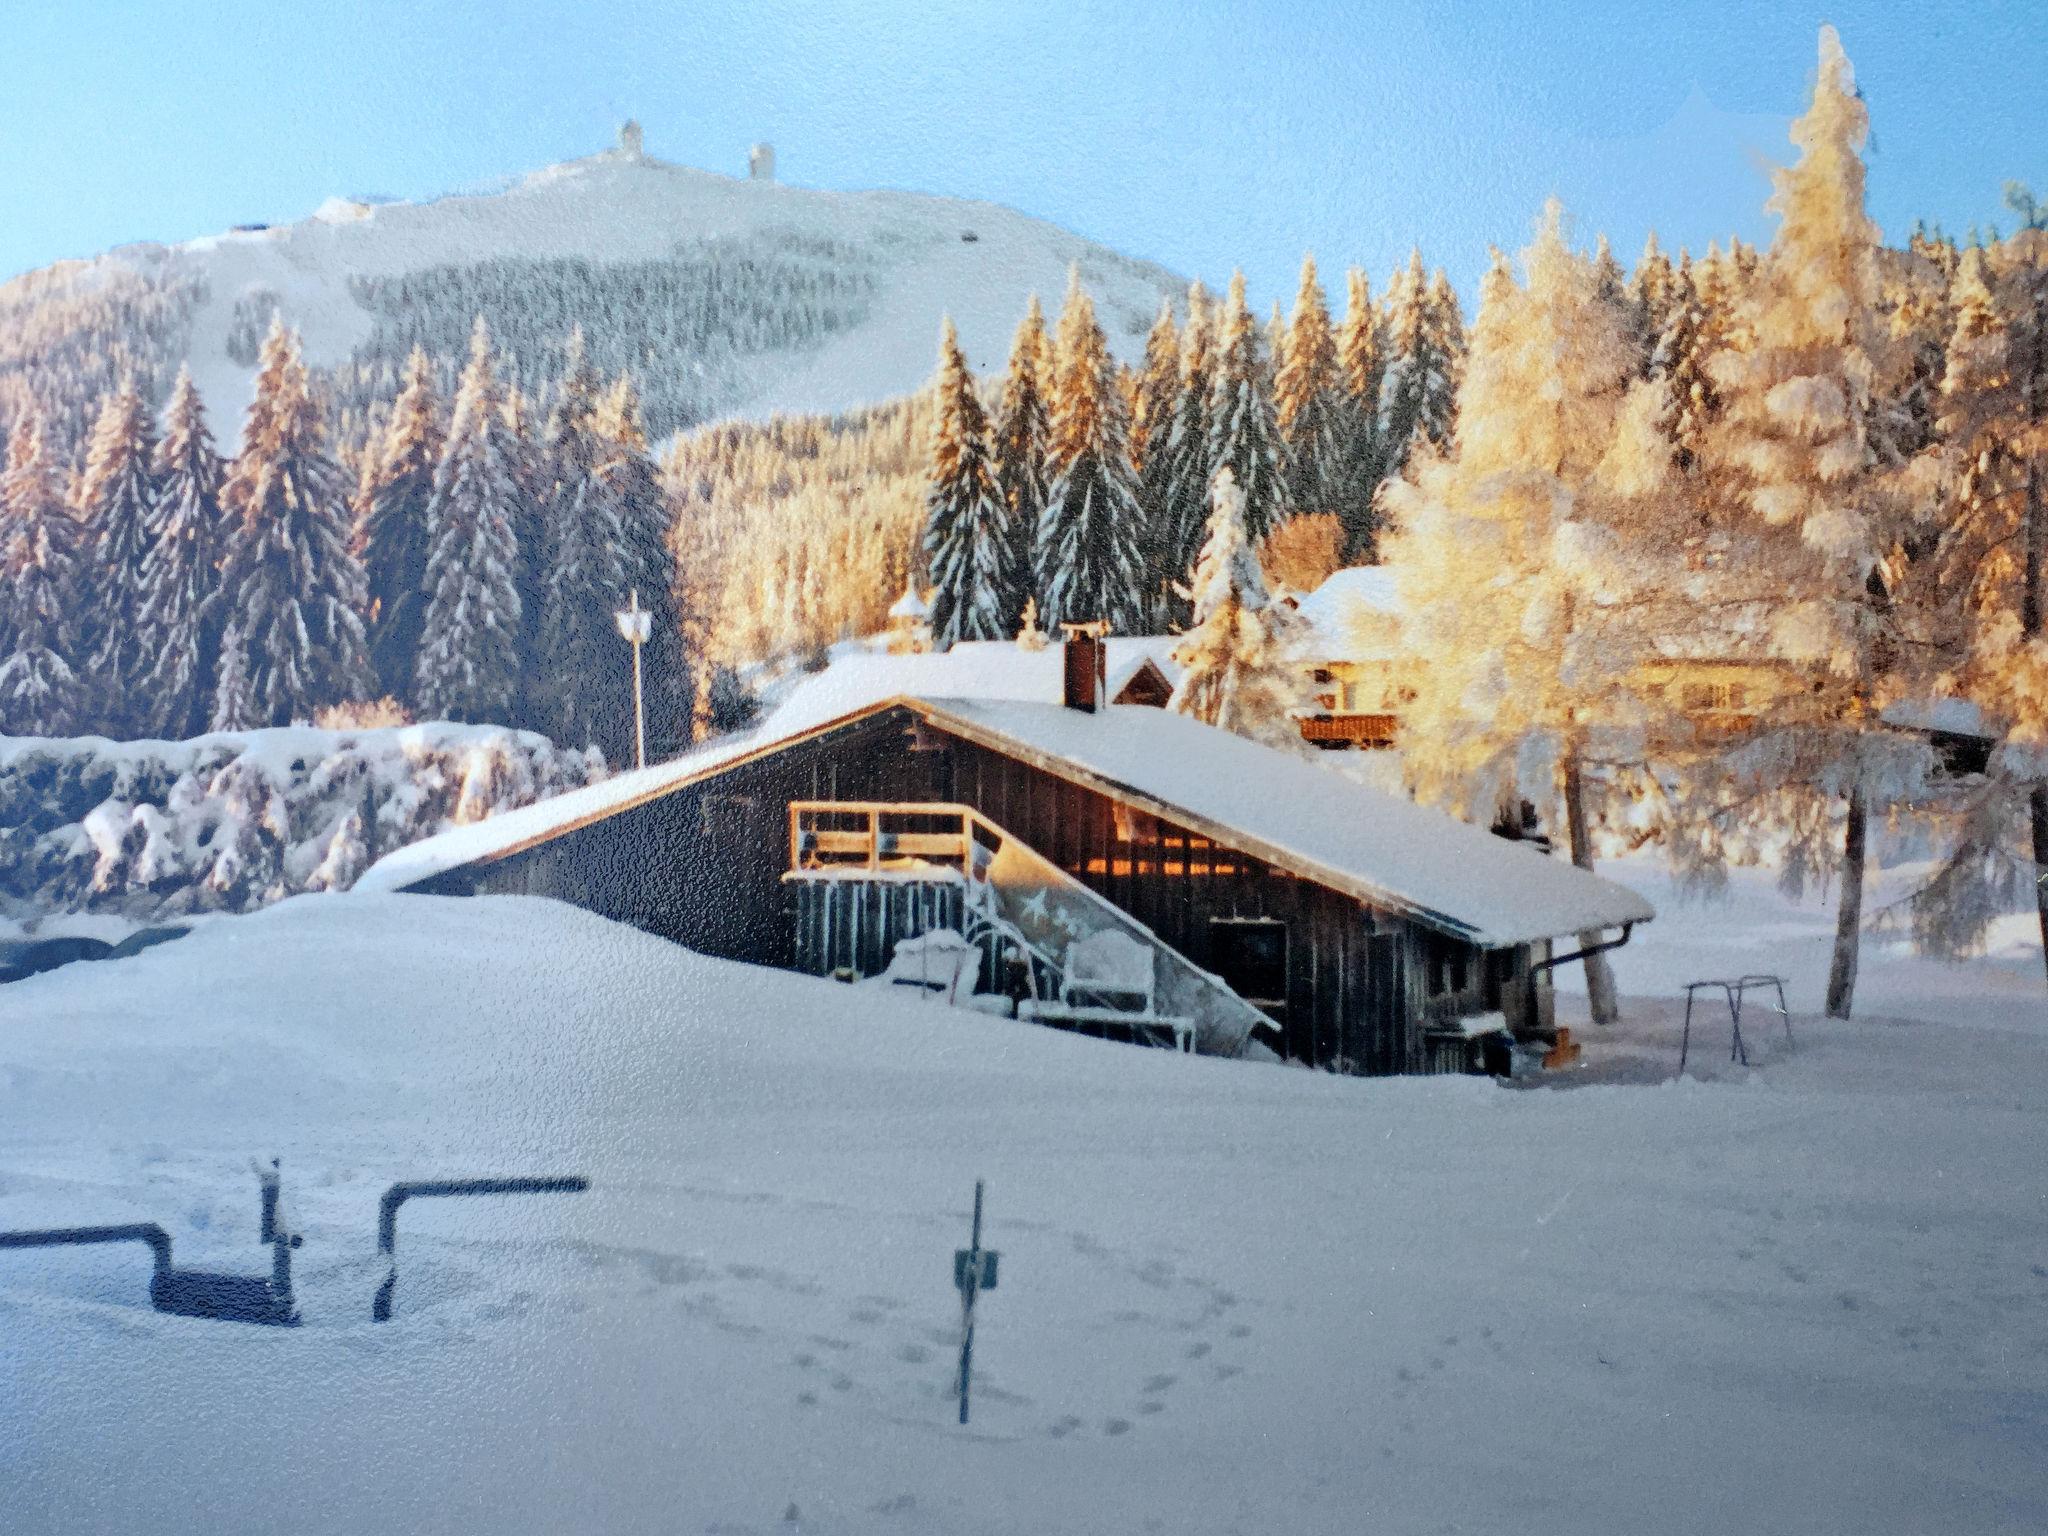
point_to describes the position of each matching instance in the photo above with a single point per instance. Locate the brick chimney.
(1086, 670)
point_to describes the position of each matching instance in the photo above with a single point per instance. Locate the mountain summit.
(725, 296)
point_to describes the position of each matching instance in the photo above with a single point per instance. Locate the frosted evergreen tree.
(1992, 474)
(968, 547)
(1186, 466)
(1153, 427)
(1556, 489)
(469, 641)
(1361, 364)
(1155, 393)
(391, 532)
(675, 692)
(41, 549)
(1023, 430)
(1695, 328)
(233, 706)
(1807, 480)
(1242, 433)
(1308, 403)
(1416, 373)
(1090, 557)
(114, 501)
(179, 612)
(1238, 667)
(1653, 292)
(289, 578)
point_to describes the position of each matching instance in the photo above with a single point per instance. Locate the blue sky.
(1240, 136)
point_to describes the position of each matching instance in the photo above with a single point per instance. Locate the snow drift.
(228, 822)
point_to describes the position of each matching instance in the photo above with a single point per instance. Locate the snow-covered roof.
(972, 669)
(1285, 809)
(1347, 610)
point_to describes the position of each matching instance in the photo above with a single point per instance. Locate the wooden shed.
(1272, 900)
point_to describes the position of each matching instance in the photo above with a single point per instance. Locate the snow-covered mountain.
(726, 296)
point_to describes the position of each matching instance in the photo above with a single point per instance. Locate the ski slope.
(1811, 1296)
(615, 207)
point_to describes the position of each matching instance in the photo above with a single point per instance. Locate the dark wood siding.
(703, 865)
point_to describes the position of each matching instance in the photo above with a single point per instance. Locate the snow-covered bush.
(232, 821)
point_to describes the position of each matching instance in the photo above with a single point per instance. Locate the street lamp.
(634, 626)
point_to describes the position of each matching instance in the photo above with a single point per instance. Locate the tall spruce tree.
(967, 544)
(1090, 558)
(1361, 364)
(1806, 479)
(469, 642)
(1653, 292)
(115, 497)
(1242, 433)
(677, 683)
(178, 622)
(292, 584)
(1152, 443)
(41, 550)
(1308, 403)
(1023, 431)
(391, 529)
(584, 693)
(1186, 467)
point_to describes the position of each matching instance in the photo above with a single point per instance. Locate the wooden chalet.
(1115, 869)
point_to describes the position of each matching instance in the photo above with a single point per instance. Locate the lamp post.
(634, 622)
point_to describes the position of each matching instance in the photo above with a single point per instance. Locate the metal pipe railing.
(419, 1189)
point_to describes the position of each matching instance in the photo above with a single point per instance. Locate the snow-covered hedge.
(233, 821)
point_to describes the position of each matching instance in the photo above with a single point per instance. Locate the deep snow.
(1810, 1297)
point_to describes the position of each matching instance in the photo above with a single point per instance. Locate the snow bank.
(147, 829)
(1806, 1298)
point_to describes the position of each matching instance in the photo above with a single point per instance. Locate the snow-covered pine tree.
(967, 542)
(1186, 467)
(114, 502)
(1447, 343)
(391, 529)
(1993, 462)
(1308, 403)
(1415, 371)
(1530, 555)
(179, 618)
(1090, 559)
(468, 666)
(1152, 403)
(288, 576)
(1238, 667)
(1806, 476)
(1652, 292)
(1694, 330)
(1361, 363)
(676, 689)
(1242, 433)
(41, 550)
(1021, 435)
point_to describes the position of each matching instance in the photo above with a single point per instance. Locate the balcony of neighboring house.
(1355, 708)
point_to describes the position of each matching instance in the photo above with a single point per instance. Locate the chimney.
(1086, 670)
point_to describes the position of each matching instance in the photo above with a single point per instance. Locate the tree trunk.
(2030, 626)
(1849, 916)
(1600, 998)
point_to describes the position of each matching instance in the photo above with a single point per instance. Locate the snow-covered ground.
(1808, 1297)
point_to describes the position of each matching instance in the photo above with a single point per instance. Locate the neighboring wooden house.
(1354, 658)
(1272, 901)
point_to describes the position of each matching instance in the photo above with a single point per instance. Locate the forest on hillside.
(1824, 456)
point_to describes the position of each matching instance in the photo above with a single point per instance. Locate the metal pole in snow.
(967, 1290)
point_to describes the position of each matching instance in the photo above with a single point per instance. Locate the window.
(1250, 954)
